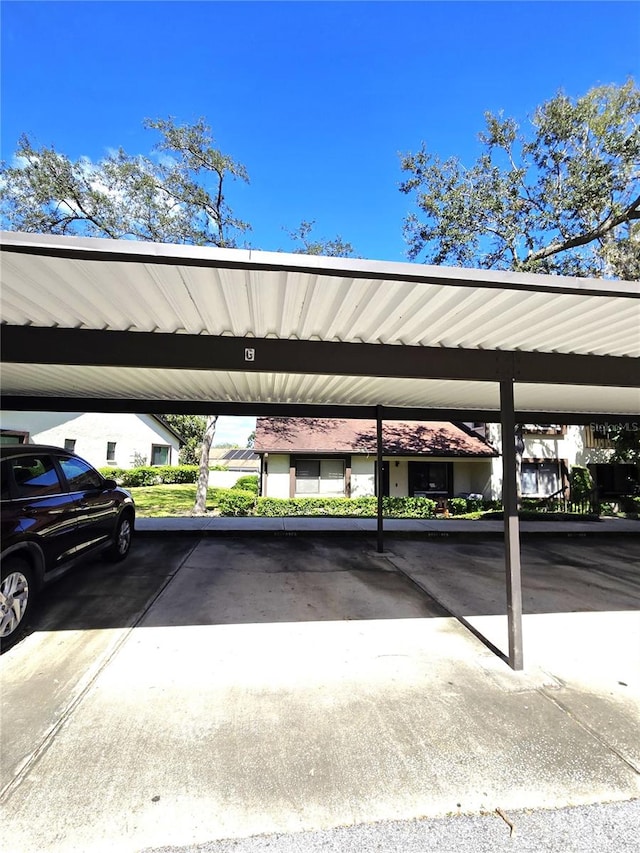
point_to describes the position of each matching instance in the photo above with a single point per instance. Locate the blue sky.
(316, 99)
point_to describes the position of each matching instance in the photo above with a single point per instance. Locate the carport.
(103, 325)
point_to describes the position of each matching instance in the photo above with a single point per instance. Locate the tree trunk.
(200, 506)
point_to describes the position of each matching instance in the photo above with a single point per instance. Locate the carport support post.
(511, 525)
(379, 479)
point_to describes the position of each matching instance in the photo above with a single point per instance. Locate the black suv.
(55, 509)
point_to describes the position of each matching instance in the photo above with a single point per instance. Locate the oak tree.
(562, 196)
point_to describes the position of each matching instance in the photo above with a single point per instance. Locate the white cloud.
(233, 430)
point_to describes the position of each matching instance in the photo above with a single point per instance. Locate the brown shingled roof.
(399, 438)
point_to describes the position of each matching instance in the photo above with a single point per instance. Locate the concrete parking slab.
(580, 598)
(279, 685)
(76, 628)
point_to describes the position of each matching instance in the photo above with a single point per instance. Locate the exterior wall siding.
(277, 478)
(570, 447)
(470, 475)
(362, 476)
(133, 434)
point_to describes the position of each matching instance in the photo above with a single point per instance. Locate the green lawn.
(153, 501)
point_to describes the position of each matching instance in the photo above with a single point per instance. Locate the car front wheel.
(17, 592)
(122, 539)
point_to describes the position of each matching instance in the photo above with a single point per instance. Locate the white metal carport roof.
(126, 323)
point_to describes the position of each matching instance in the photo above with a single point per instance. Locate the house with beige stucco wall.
(337, 457)
(302, 457)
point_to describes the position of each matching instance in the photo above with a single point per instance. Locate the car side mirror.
(110, 484)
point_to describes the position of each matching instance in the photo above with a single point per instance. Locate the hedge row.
(234, 502)
(152, 475)
(365, 507)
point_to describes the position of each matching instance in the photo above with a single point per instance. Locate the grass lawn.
(178, 499)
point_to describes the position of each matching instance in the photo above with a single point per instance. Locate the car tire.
(122, 539)
(17, 594)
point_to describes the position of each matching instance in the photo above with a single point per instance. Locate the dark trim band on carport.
(101, 348)
(143, 406)
(101, 250)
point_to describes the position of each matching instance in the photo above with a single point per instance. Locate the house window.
(70, 444)
(430, 478)
(160, 454)
(540, 479)
(320, 477)
(8, 436)
(111, 451)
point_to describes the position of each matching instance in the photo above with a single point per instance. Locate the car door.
(96, 505)
(41, 508)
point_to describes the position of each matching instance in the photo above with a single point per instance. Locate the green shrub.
(458, 506)
(607, 509)
(366, 507)
(282, 507)
(111, 473)
(581, 484)
(178, 473)
(152, 475)
(542, 505)
(247, 483)
(234, 502)
(491, 506)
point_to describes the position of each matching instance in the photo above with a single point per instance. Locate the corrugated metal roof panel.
(123, 285)
(227, 387)
(295, 303)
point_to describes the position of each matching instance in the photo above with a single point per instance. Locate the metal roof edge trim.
(101, 248)
(58, 403)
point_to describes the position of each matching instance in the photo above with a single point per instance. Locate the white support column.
(511, 525)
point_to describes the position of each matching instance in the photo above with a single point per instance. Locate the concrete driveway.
(229, 687)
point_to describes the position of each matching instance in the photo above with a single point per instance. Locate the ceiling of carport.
(119, 320)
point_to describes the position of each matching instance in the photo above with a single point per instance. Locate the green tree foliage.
(625, 438)
(563, 198)
(176, 196)
(191, 429)
(308, 244)
(581, 484)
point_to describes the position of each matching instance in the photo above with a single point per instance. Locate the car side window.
(5, 491)
(80, 476)
(35, 476)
